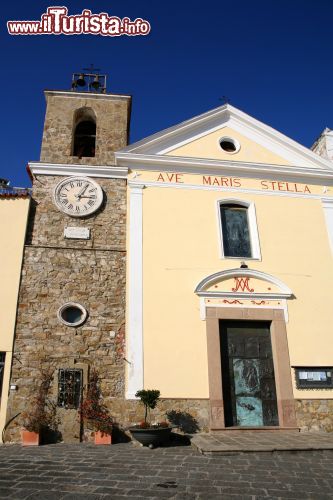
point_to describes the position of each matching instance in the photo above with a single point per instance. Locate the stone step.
(269, 441)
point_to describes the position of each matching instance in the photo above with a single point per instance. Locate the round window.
(229, 145)
(72, 314)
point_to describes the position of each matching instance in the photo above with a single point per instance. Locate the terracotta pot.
(29, 438)
(102, 438)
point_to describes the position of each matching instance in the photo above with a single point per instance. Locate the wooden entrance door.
(248, 381)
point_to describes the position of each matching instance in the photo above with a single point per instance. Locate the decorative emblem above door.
(242, 288)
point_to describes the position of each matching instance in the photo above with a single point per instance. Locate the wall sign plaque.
(314, 377)
(77, 233)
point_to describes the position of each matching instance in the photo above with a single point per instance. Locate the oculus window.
(229, 145)
(72, 314)
(238, 228)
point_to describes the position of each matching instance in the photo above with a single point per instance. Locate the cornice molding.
(222, 167)
(136, 185)
(99, 171)
(86, 95)
(244, 295)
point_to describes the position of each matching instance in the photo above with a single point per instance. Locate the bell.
(81, 81)
(95, 84)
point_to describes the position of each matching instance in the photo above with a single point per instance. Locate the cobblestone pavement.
(91, 472)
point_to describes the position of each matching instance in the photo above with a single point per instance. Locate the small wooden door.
(249, 392)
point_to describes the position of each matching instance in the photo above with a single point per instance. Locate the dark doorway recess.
(249, 392)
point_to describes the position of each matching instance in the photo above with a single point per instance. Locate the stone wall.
(132, 412)
(187, 415)
(107, 225)
(315, 414)
(112, 119)
(55, 270)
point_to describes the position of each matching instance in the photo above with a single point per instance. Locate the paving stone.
(4, 492)
(87, 472)
(45, 495)
(33, 485)
(83, 496)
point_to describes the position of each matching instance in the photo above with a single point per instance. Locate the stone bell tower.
(71, 309)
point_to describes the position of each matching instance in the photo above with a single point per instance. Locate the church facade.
(197, 261)
(229, 271)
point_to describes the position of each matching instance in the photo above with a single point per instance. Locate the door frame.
(284, 391)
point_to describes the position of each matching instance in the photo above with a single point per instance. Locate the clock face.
(78, 196)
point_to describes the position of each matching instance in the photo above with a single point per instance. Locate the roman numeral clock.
(78, 196)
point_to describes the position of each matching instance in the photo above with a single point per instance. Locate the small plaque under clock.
(77, 233)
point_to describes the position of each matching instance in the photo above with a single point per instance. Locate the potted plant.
(95, 413)
(147, 433)
(40, 415)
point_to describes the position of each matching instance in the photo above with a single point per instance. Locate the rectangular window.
(314, 378)
(235, 231)
(69, 388)
(2, 369)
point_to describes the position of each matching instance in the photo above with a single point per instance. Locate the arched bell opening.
(84, 133)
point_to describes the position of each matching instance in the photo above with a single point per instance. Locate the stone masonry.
(112, 124)
(56, 271)
(315, 414)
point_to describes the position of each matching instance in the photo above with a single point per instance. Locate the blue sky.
(272, 59)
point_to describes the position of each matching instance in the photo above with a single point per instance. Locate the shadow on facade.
(184, 421)
(50, 436)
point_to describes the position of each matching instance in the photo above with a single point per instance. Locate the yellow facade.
(13, 222)
(208, 147)
(294, 247)
(177, 190)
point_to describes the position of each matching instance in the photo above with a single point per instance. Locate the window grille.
(69, 388)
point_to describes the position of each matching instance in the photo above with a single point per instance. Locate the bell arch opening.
(84, 133)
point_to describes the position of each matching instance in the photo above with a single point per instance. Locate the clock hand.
(80, 193)
(87, 196)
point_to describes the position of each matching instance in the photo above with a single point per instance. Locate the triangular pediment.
(200, 137)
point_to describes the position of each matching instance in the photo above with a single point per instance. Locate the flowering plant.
(158, 425)
(93, 410)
